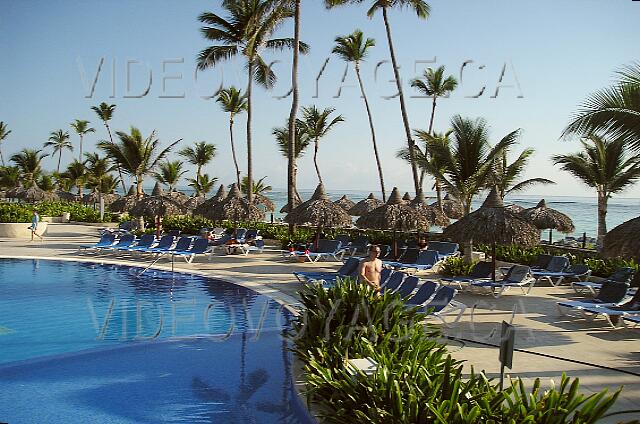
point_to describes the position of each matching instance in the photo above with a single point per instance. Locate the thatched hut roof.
(158, 204)
(623, 240)
(514, 208)
(297, 201)
(220, 195)
(493, 223)
(179, 196)
(261, 199)
(406, 197)
(451, 207)
(36, 194)
(67, 196)
(14, 192)
(433, 214)
(205, 208)
(319, 211)
(125, 203)
(345, 203)
(234, 207)
(194, 201)
(544, 217)
(365, 206)
(394, 215)
(94, 197)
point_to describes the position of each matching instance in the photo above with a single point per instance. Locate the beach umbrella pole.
(550, 236)
(493, 260)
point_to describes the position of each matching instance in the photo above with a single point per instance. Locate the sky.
(542, 59)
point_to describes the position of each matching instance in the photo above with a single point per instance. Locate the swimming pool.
(84, 342)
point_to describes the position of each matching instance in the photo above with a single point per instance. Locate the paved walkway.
(540, 328)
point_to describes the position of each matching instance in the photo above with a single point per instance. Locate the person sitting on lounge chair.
(370, 268)
(422, 244)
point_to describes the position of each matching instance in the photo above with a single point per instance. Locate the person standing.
(370, 268)
(35, 220)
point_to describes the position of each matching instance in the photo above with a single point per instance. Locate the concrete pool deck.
(540, 327)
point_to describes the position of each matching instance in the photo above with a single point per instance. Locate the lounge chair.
(164, 243)
(442, 304)
(580, 272)
(518, 276)
(393, 282)
(423, 295)
(385, 253)
(554, 269)
(220, 242)
(106, 240)
(445, 249)
(249, 235)
(621, 275)
(326, 249)
(344, 239)
(409, 256)
(611, 293)
(257, 246)
(347, 268)
(145, 242)
(359, 245)
(633, 319)
(200, 247)
(125, 241)
(384, 275)
(480, 271)
(407, 287)
(541, 262)
(183, 243)
(239, 233)
(613, 314)
(426, 260)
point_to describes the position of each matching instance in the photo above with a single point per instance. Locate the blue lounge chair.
(407, 287)
(442, 304)
(555, 269)
(621, 275)
(409, 256)
(344, 239)
(422, 296)
(393, 282)
(347, 268)
(106, 240)
(444, 249)
(183, 244)
(257, 246)
(239, 234)
(623, 310)
(359, 245)
(518, 276)
(200, 247)
(125, 241)
(541, 262)
(326, 249)
(384, 275)
(480, 271)
(426, 260)
(634, 319)
(164, 243)
(145, 242)
(611, 293)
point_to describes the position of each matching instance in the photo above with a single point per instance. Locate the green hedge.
(417, 381)
(21, 212)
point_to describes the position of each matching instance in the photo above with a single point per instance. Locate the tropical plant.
(301, 143)
(259, 187)
(604, 166)
(82, 128)
(45, 182)
(613, 112)
(246, 31)
(169, 173)
(59, 140)
(200, 155)
(9, 176)
(233, 102)
(29, 162)
(98, 169)
(76, 172)
(456, 266)
(435, 85)
(62, 182)
(421, 8)
(317, 124)
(202, 184)
(4, 133)
(108, 184)
(105, 113)
(353, 48)
(468, 158)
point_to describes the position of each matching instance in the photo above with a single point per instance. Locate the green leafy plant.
(456, 266)
(21, 212)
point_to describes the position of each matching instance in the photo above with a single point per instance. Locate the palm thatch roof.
(220, 195)
(35, 194)
(451, 207)
(158, 204)
(514, 208)
(67, 196)
(365, 206)
(194, 201)
(125, 203)
(13, 193)
(493, 223)
(179, 196)
(431, 213)
(406, 197)
(396, 214)
(205, 208)
(297, 200)
(345, 203)
(544, 217)
(623, 240)
(319, 211)
(94, 197)
(234, 207)
(261, 199)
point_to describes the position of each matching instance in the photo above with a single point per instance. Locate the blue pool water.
(86, 343)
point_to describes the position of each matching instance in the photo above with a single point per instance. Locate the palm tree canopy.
(81, 127)
(76, 171)
(613, 112)
(59, 140)
(435, 83)
(169, 173)
(232, 100)
(317, 123)
(259, 187)
(505, 176)
(29, 161)
(602, 165)
(353, 47)
(202, 184)
(4, 131)
(104, 111)
(200, 155)
(420, 7)
(282, 138)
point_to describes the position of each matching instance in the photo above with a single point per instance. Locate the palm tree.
(467, 160)
(76, 172)
(45, 182)
(233, 102)
(137, 156)
(301, 143)
(59, 140)
(82, 128)
(259, 187)
(4, 133)
(29, 162)
(613, 112)
(317, 124)
(604, 166)
(435, 85)
(98, 169)
(9, 176)
(200, 155)
(202, 184)
(505, 176)
(105, 113)
(247, 31)
(169, 173)
(108, 184)
(421, 8)
(354, 48)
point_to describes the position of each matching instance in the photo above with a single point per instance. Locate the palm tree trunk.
(124, 188)
(59, 159)
(439, 193)
(198, 170)
(373, 132)
(80, 158)
(233, 150)
(291, 151)
(602, 217)
(249, 159)
(315, 159)
(139, 196)
(433, 114)
(2, 158)
(403, 109)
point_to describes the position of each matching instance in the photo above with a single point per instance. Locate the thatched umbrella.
(220, 195)
(394, 215)
(623, 240)
(493, 223)
(297, 200)
(431, 213)
(451, 207)
(94, 197)
(261, 199)
(365, 206)
(67, 196)
(234, 207)
(320, 212)
(14, 193)
(194, 201)
(544, 218)
(205, 208)
(406, 197)
(179, 196)
(345, 203)
(125, 203)
(36, 194)
(157, 205)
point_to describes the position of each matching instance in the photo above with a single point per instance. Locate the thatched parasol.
(623, 240)
(158, 204)
(234, 207)
(431, 213)
(319, 211)
(14, 192)
(345, 203)
(179, 196)
(451, 207)
(544, 218)
(493, 223)
(365, 206)
(36, 194)
(220, 195)
(261, 199)
(406, 197)
(94, 197)
(194, 201)
(297, 201)
(67, 196)
(205, 208)
(125, 203)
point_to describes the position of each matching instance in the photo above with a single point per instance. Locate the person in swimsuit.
(370, 268)
(35, 219)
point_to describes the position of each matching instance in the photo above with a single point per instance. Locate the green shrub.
(456, 265)
(21, 212)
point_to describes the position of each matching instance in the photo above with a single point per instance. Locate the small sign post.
(507, 341)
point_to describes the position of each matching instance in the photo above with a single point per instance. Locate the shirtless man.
(371, 267)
